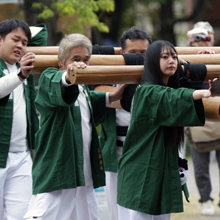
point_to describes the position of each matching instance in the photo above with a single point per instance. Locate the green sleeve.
(50, 92)
(166, 106)
(98, 100)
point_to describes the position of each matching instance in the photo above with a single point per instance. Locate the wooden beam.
(44, 61)
(53, 50)
(107, 75)
(120, 74)
(212, 108)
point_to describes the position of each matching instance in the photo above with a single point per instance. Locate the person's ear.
(60, 64)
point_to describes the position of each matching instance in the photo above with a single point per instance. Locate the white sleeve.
(63, 80)
(8, 83)
(107, 102)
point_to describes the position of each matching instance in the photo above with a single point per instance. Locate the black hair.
(134, 33)
(152, 74)
(7, 26)
(152, 71)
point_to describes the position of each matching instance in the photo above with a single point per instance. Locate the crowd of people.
(136, 154)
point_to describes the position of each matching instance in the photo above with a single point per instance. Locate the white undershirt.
(86, 127)
(86, 135)
(11, 84)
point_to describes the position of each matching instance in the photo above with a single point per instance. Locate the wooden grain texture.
(53, 50)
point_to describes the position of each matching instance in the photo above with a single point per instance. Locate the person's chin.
(171, 72)
(14, 60)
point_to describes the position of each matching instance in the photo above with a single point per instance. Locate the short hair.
(7, 26)
(71, 41)
(134, 33)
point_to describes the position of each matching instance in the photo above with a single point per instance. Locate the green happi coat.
(6, 115)
(108, 143)
(58, 162)
(148, 179)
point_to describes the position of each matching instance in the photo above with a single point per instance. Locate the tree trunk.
(31, 17)
(29, 13)
(166, 18)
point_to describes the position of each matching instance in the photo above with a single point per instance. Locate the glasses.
(198, 39)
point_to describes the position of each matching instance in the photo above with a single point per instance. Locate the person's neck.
(165, 80)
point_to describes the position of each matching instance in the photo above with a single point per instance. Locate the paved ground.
(192, 209)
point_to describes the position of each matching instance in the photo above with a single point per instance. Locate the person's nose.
(19, 44)
(171, 60)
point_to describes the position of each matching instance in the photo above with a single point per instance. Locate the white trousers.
(15, 186)
(128, 214)
(67, 204)
(111, 188)
(111, 194)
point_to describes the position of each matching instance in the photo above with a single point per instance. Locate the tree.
(65, 16)
(108, 18)
(160, 14)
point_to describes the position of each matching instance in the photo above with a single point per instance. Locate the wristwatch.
(20, 75)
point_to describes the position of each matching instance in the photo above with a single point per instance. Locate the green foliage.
(84, 12)
(46, 13)
(153, 1)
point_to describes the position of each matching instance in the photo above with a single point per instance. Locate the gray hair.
(71, 41)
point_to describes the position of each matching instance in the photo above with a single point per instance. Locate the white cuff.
(107, 102)
(63, 81)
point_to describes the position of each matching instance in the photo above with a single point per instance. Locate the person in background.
(18, 118)
(68, 161)
(202, 35)
(114, 129)
(149, 185)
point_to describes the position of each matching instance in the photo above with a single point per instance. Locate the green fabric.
(6, 116)
(58, 162)
(148, 178)
(41, 38)
(186, 192)
(108, 141)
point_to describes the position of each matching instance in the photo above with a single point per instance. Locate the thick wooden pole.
(107, 75)
(202, 58)
(212, 108)
(44, 61)
(194, 50)
(122, 74)
(52, 60)
(109, 69)
(53, 50)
